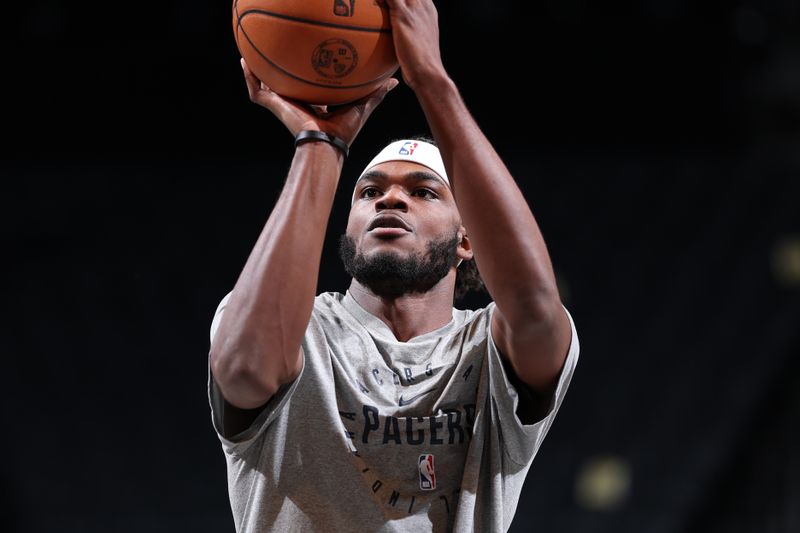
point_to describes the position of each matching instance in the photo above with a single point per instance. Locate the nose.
(393, 198)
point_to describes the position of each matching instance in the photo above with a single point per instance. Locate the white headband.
(415, 151)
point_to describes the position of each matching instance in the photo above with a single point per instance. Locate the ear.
(464, 249)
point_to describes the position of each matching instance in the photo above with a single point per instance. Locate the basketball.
(321, 52)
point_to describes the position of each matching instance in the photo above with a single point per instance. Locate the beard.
(389, 275)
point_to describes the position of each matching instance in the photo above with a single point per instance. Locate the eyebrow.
(416, 176)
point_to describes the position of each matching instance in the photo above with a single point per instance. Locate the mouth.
(388, 224)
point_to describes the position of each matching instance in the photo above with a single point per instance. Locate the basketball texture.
(322, 52)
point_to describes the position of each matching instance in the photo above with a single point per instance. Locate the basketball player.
(386, 408)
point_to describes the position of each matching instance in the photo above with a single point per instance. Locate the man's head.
(404, 234)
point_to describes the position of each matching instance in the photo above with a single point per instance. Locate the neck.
(410, 315)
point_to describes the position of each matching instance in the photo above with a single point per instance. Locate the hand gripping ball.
(322, 52)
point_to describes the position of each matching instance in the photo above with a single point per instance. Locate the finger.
(379, 93)
(258, 90)
(253, 83)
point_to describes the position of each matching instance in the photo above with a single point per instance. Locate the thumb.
(384, 89)
(353, 116)
(372, 101)
(391, 83)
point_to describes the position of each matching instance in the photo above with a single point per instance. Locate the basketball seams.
(323, 67)
(238, 23)
(298, 78)
(310, 21)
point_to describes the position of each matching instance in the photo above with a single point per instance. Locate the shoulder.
(471, 326)
(328, 300)
(329, 308)
(215, 319)
(473, 318)
(328, 304)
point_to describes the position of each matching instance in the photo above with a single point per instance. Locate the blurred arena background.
(657, 141)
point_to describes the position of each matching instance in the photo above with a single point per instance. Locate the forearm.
(257, 345)
(508, 245)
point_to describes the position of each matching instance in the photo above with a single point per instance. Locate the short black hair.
(424, 137)
(468, 279)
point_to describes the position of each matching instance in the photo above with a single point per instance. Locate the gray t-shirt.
(381, 435)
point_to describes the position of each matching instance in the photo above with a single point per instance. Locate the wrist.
(316, 136)
(433, 81)
(440, 98)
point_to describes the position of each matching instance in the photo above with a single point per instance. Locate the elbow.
(539, 347)
(242, 378)
(541, 375)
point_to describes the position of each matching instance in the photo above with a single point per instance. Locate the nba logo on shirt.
(427, 475)
(408, 148)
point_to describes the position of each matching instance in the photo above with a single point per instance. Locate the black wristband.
(314, 135)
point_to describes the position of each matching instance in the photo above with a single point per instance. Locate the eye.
(425, 193)
(369, 192)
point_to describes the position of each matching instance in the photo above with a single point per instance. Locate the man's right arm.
(256, 348)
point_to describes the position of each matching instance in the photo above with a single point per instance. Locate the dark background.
(657, 141)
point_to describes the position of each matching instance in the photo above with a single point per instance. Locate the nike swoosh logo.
(411, 400)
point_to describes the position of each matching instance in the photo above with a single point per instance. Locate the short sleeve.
(218, 316)
(239, 443)
(522, 441)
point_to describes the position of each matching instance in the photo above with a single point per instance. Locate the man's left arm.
(530, 326)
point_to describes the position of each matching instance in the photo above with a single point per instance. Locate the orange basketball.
(322, 52)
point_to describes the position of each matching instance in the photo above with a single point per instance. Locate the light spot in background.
(603, 483)
(786, 261)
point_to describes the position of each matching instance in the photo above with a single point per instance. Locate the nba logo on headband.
(408, 148)
(420, 152)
